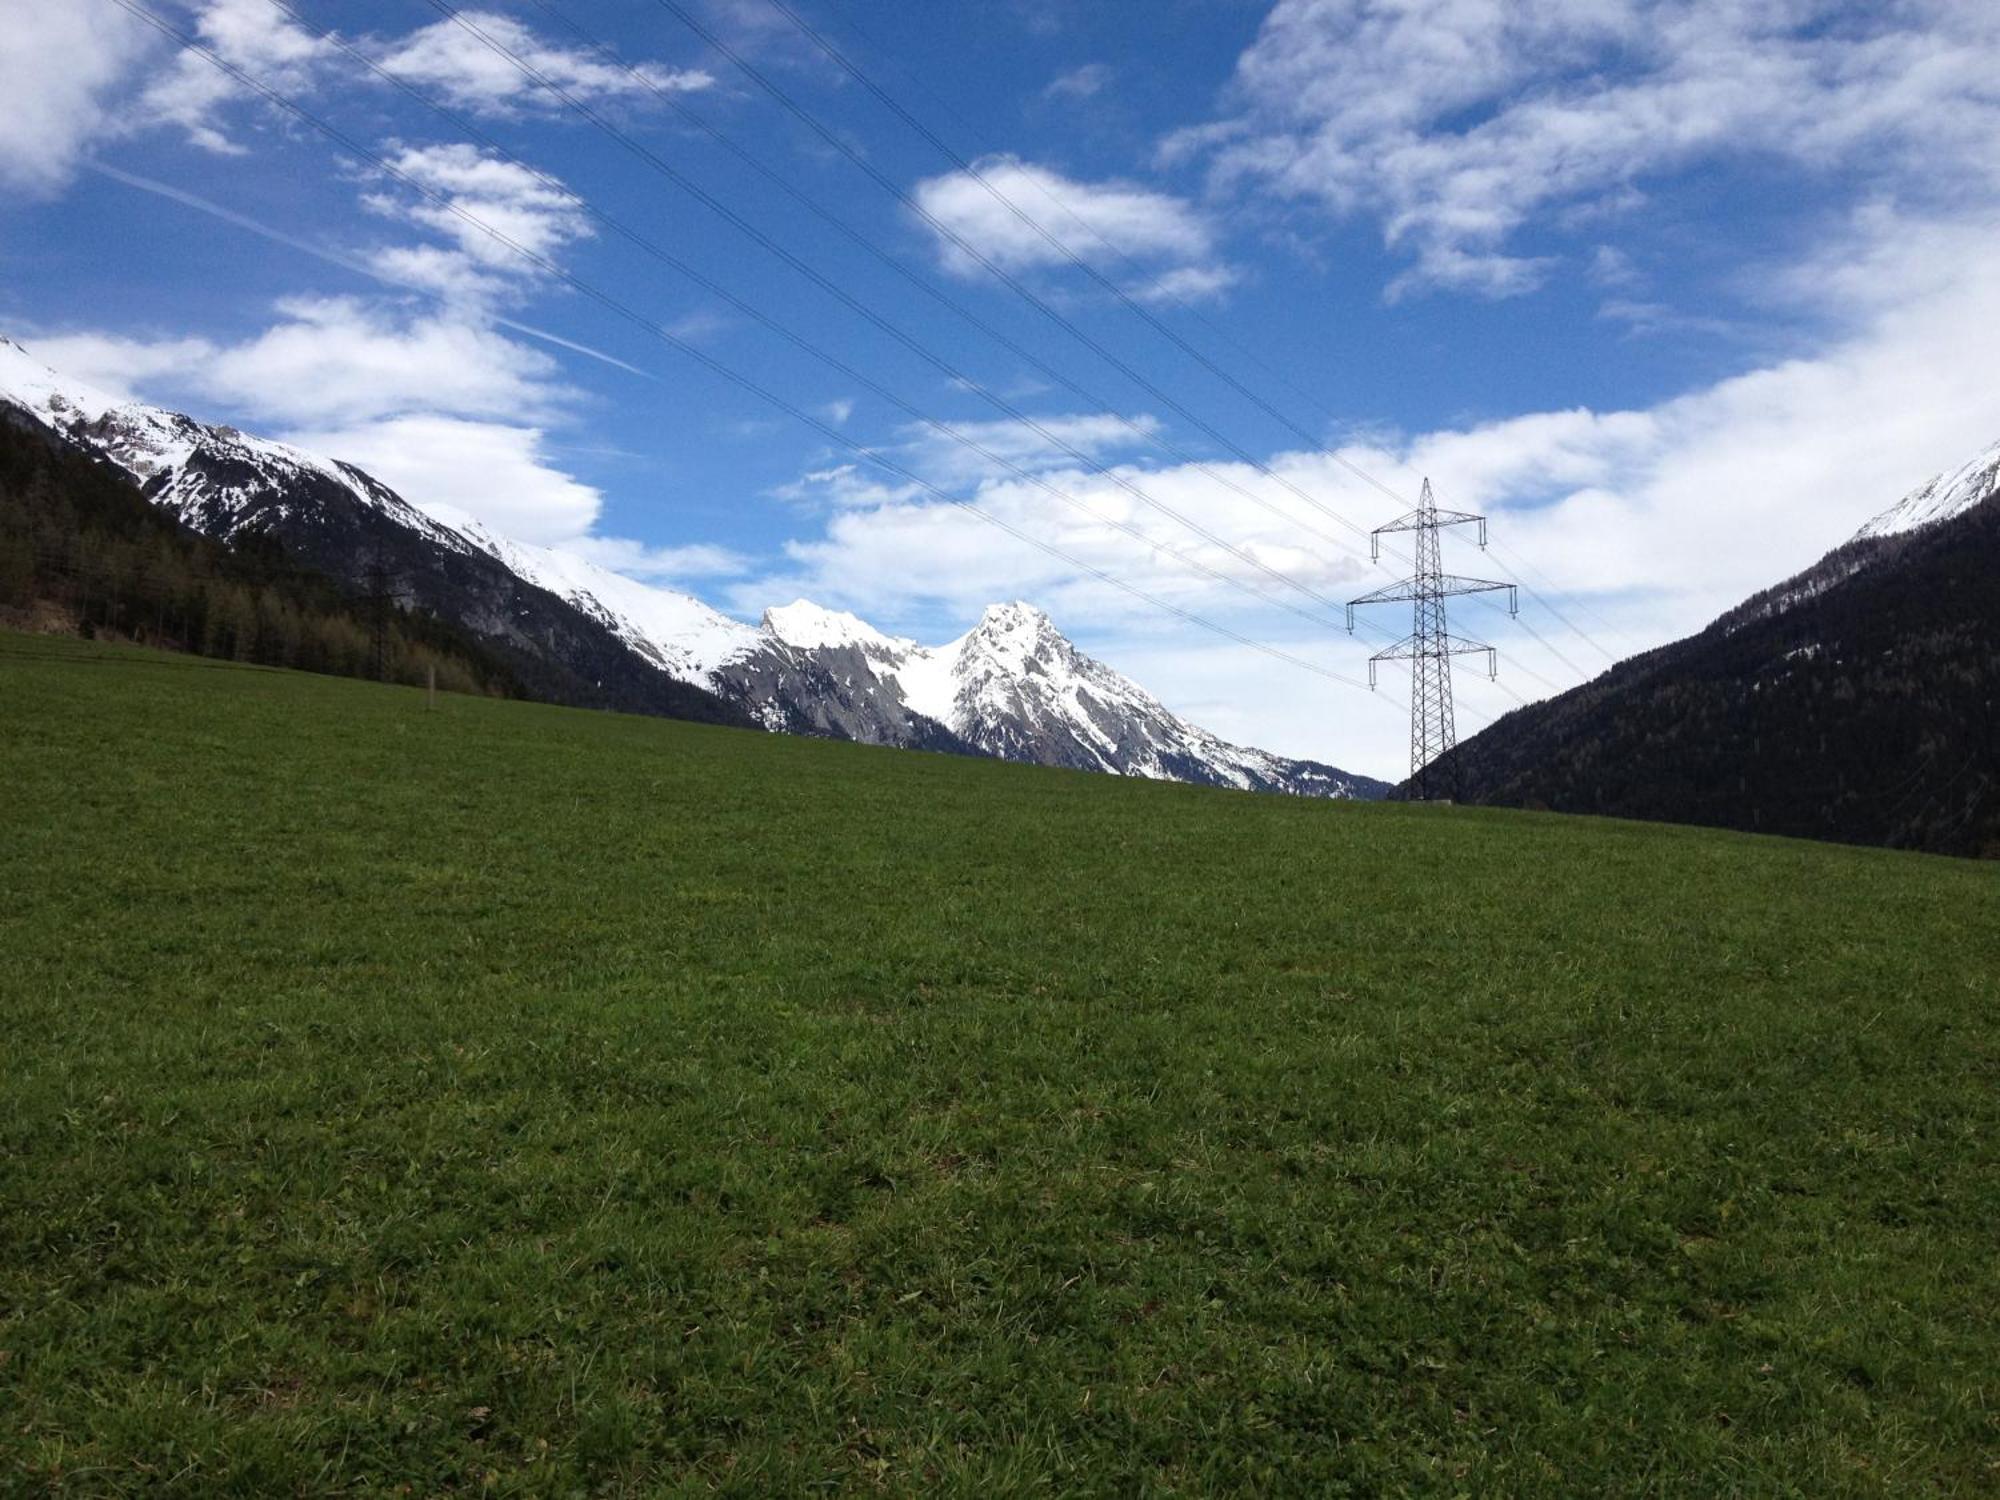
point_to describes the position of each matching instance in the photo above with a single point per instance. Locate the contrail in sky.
(345, 262)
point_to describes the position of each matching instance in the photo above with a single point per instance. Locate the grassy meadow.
(520, 1101)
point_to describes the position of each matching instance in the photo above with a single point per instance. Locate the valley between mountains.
(1013, 687)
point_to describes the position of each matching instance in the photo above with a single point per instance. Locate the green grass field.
(515, 1100)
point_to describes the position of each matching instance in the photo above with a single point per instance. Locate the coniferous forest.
(1855, 702)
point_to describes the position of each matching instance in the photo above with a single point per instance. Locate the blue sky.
(1678, 293)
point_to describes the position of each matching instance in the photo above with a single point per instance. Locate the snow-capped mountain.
(1013, 686)
(1879, 541)
(216, 479)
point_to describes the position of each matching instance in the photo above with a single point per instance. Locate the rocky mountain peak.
(1014, 618)
(1009, 637)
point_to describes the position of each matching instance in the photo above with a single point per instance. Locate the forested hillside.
(1855, 702)
(83, 552)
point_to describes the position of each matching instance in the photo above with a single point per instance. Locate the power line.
(1123, 256)
(921, 283)
(853, 70)
(1007, 278)
(756, 314)
(716, 366)
(528, 71)
(1522, 563)
(605, 51)
(1042, 232)
(918, 280)
(880, 322)
(895, 190)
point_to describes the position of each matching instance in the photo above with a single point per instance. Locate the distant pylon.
(378, 601)
(1429, 647)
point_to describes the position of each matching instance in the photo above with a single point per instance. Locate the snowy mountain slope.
(1947, 495)
(1013, 686)
(1879, 542)
(676, 632)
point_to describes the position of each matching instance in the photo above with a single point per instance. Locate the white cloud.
(467, 193)
(249, 34)
(329, 362)
(339, 360)
(494, 471)
(1187, 284)
(952, 460)
(1079, 83)
(1641, 318)
(1455, 122)
(452, 275)
(470, 74)
(65, 61)
(120, 366)
(1025, 216)
(447, 411)
(1612, 267)
(878, 525)
(659, 564)
(858, 486)
(61, 62)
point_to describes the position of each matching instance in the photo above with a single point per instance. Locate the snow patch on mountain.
(928, 680)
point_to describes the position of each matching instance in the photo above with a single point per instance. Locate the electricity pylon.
(1429, 647)
(379, 599)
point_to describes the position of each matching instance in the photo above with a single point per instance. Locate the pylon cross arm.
(1409, 648)
(1451, 583)
(1423, 588)
(1402, 588)
(1415, 519)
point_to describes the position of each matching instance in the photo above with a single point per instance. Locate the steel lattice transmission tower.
(1430, 647)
